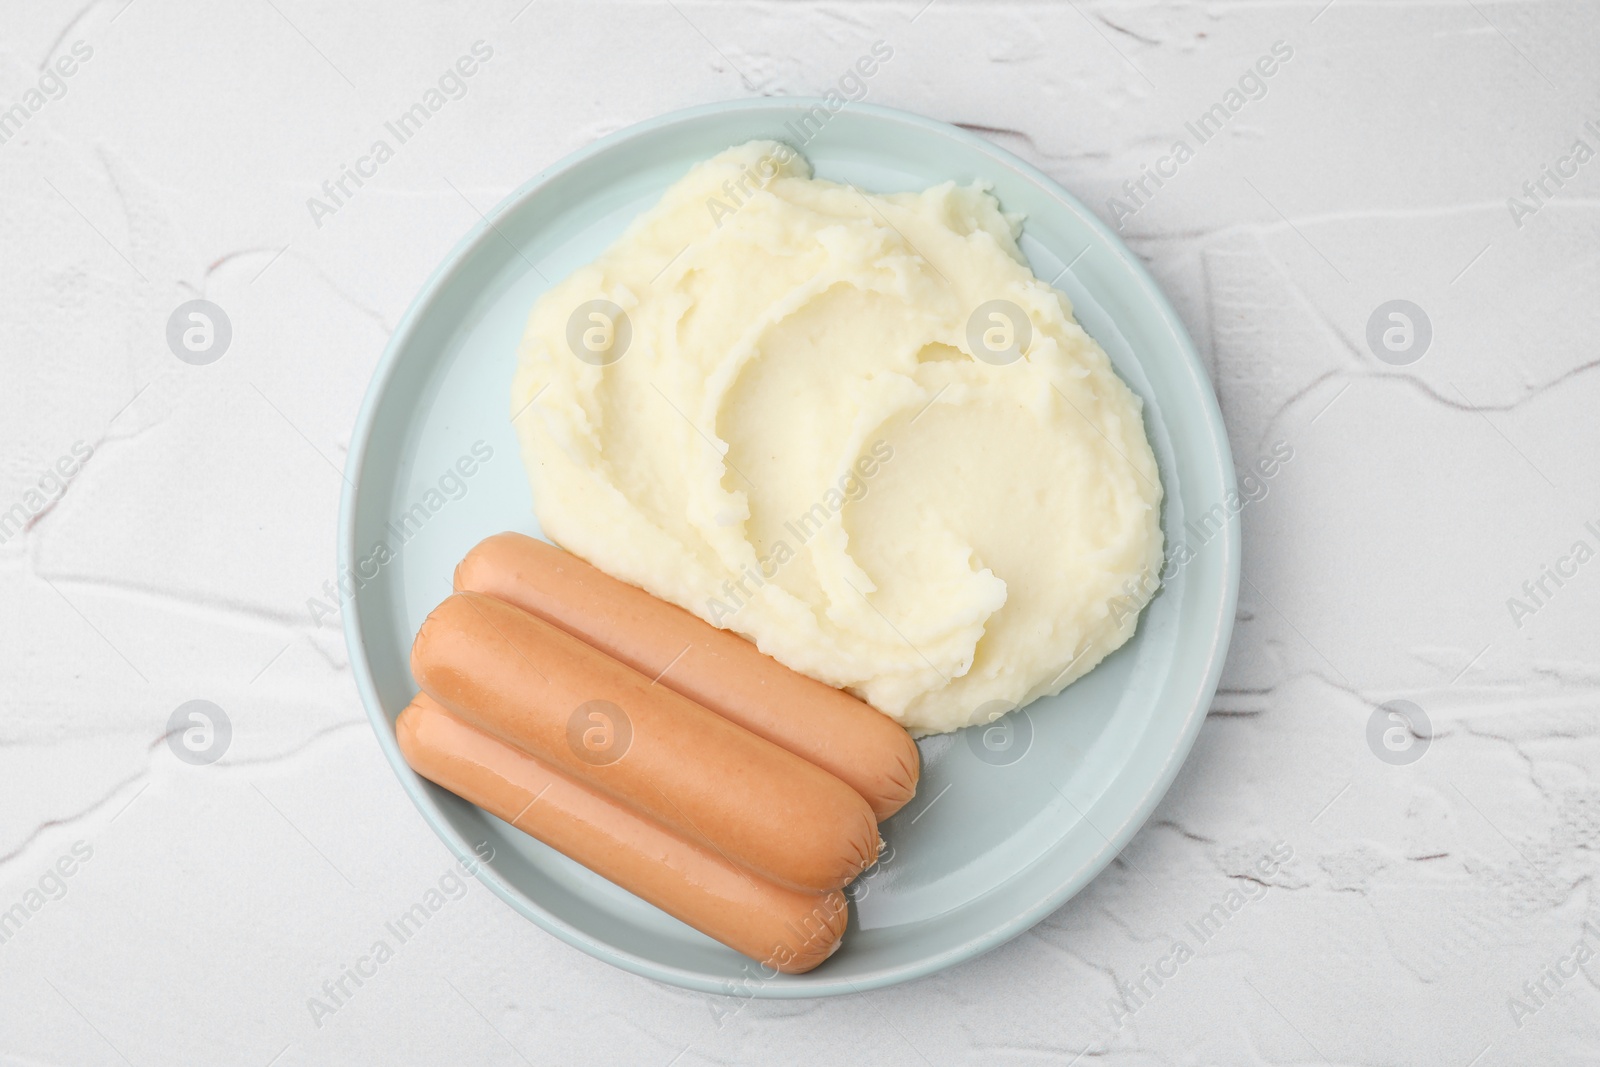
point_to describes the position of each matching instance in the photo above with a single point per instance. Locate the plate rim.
(1228, 543)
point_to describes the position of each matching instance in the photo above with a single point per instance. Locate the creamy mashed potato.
(855, 429)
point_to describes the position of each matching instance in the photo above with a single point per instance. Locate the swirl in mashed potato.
(814, 423)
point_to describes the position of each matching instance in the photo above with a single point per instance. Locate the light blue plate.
(999, 835)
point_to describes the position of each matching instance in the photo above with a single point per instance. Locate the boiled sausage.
(783, 928)
(715, 668)
(539, 688)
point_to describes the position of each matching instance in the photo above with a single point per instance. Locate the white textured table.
(153, 911)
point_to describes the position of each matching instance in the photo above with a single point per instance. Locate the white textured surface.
(178, 563)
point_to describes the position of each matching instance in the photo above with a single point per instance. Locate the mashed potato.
(855, 429)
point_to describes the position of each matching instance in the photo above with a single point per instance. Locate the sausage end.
(821, 936)
(903, 773)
